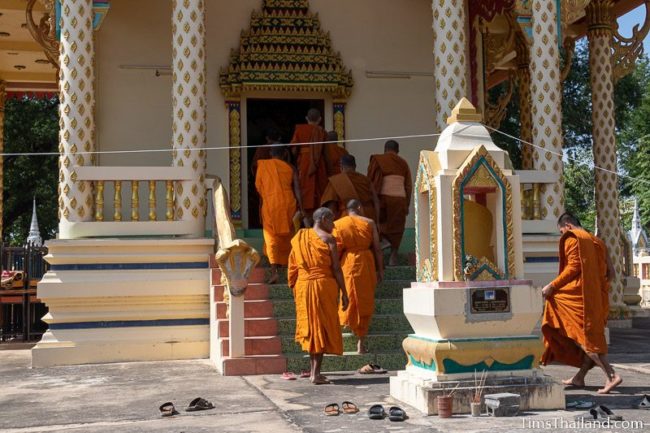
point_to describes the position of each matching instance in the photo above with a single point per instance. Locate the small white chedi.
(471, 309)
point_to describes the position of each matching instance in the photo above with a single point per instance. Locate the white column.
(76, 111)
(449, 57)
(188, 104)
(599, 33)
(547, 104)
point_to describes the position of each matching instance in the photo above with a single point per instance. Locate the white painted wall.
(134, 107)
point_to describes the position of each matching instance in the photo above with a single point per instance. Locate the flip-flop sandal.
(168, 409)
(199, 404)
(396, 413)
(287, 375)
(349, 407)
(366, 369)
(645, 403)
(605, 412)
(332, 409)
(376, 369)
(376, 412)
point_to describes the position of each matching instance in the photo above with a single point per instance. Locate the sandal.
(371, 368)
(396, 413)
(376, 412)
(287, 375)
(331, 409)
(168, 409)
(199, 404)
(349, 407)
(588, 416)
(605, 412)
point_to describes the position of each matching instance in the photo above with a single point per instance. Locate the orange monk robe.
(312, 172)
(274, 183)
(391, 177)
(576, 314)
(354, 238)
(334, 152)
(316, 294)
(342, 188)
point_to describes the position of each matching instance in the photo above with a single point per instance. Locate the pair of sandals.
(601, 412)
(289, 375)
(168, 409)
(395, 413)
(333, 409)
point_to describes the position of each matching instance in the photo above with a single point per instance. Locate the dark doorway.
(263, 114)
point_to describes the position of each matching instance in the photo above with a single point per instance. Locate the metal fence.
(20, 308)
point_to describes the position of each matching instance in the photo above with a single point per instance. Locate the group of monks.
(315, 171)
(345, 217)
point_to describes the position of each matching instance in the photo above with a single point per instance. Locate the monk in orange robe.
(350, 185)
(310, 160)
(577, 305)
(391, 178)
(316, 280)
(277, 184)
(357, 239)
(333, 154)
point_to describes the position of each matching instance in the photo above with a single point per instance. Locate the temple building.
(161, 102)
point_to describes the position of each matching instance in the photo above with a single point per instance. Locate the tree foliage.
(31, 125)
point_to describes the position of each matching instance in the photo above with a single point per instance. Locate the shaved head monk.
(391, 177)
(310, 160)
(350, 185)
(333, 154)
(316, 280)
(577, 306)
(361, 261)
(277, 184)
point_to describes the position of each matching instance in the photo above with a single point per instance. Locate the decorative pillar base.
(537, 391)
(113, 300)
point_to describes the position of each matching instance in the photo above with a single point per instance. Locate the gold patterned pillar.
(546, 99)
(599, 34)
(3, 96)
(76, 112)
(525, 115)
(188, 105)
(339, 119)
(234, 141)
(450, 63)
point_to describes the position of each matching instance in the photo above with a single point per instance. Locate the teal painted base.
(452, 367)
(430, 367)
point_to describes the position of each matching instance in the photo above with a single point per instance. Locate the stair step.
(253, 308)
(287, 307)
(249, 365)
(376, 343)
(380, 324)
(266, 345)
(385, 289)
(254, 291)
(256, 276)
(350, 361)
(253, 327)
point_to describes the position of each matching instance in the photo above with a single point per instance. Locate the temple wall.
(134, 106)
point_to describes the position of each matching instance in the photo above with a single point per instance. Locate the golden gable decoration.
(285, 49)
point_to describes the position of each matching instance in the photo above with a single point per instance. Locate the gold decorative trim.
(425, 182)
(628, 50)
(495, 113)
(569, 47)
(468, 165)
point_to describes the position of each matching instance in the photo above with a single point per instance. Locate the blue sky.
(627, 21)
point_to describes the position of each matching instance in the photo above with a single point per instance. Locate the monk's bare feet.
(573, 382)
(611, 384)
(273, 279)
(320, 380)
(361, 347)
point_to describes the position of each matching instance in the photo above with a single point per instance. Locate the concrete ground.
(126, 397)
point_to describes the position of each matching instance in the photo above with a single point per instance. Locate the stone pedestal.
(116, 300)
(537, 391)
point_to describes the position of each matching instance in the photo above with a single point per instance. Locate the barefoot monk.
(316, 280)
(361, 261)
(577, 305)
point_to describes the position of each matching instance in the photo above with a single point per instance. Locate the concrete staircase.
(269, 313)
